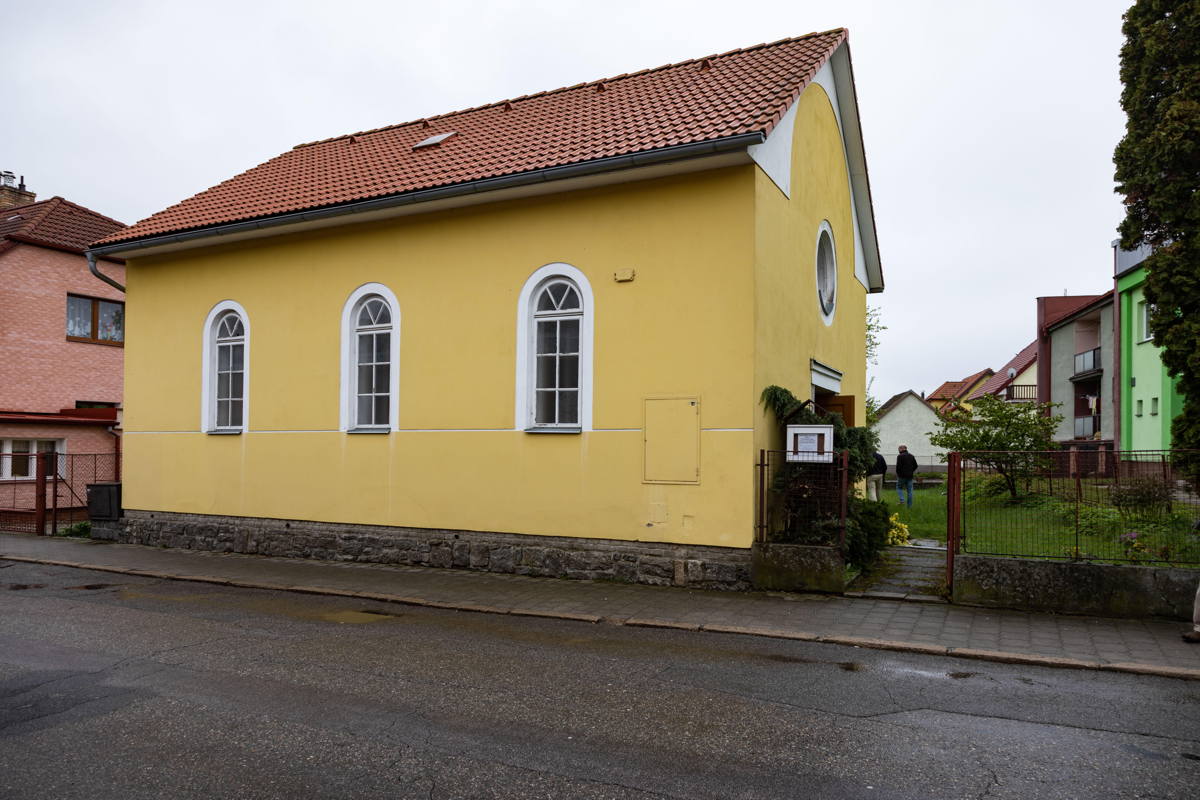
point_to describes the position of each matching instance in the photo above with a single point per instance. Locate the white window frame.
(348, 383)
(1144, 321)
(825, 229)
(526, 373)
(208, 381)
(6, 451)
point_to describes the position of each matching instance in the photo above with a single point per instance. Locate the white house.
(908, 419)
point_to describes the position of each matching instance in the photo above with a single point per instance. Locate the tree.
(874, 328)
(1158, 171)
(1007, 437)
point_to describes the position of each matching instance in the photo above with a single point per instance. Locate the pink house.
(61, 343)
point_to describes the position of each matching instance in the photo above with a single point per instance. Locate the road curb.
(996, 656)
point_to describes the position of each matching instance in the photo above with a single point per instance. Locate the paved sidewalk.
(1137, 646)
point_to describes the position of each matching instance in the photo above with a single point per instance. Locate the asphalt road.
(117, 687)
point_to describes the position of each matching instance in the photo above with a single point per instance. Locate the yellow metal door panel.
(671, 435)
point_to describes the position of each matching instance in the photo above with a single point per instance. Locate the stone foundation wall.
(798, 568)
(652, 563)
(1123, 590)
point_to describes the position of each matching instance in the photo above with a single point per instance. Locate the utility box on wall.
(813, 443)
(671, 437)
(104, 501)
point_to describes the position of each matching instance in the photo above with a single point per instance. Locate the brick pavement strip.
(1130, 646)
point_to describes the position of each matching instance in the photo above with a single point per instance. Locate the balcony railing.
(1020, 393)
(1087, 427)
(1087, 361)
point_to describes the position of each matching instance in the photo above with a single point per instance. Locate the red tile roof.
(739, 92)
(1084, 303)
(55, 223)
(1018, 364)
(952, 390)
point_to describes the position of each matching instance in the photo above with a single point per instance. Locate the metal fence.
(802, 501)
(43, 492)
(1138, 507)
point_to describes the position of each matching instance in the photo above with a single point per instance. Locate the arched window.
(370, 350)
(555, 351)
(224, 406)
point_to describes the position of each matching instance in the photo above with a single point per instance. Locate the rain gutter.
(596, 166)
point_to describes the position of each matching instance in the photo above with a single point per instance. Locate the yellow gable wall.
(682, 327)
(789, 327)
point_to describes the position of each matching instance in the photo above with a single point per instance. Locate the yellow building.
(526, 337)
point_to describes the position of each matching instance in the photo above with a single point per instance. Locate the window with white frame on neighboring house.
(94, 320)
(1144, 311)
(370, 352)
(1138, 409)
(224, 402)
(1153, 406)
(17, 457)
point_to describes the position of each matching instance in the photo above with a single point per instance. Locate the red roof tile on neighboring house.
(55, 223)
(953, 390)
(1018, 364)
(739, 92)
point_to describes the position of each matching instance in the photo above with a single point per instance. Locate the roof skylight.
(437, 138)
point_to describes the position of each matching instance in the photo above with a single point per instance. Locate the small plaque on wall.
(810, 443)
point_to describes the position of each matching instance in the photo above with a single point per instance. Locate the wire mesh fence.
(1080, 505)
(33, 503)
(802, 501)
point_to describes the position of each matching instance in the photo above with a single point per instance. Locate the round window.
(826, 271)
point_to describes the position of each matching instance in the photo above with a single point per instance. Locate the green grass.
(927, 517)
(1046, 529)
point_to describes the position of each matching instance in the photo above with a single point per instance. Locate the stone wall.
(1124, 590)
(798, 568)
(652, 563)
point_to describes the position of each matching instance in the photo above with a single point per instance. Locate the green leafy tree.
(1158, 172)
(1005, 437)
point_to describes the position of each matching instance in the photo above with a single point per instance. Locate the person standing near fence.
(906, 468)
(875, 477)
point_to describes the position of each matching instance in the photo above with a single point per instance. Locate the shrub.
(1148, 496)
(867, 527)
(897, 530)
(79, 529)
(983, 486)
(1093, 520)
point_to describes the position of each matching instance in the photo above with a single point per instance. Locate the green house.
(1149, 397)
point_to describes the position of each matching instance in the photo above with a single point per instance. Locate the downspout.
(91, 259)
(112, 429)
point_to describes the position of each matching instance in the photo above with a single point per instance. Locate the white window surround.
(34, 446)
(524, 419)
(348, 374)
(208, 369)
(825, 229)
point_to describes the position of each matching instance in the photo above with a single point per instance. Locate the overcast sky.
(989, 126)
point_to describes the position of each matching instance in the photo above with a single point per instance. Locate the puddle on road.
(92, 586)
(16, 587)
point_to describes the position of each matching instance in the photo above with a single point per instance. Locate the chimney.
(12, 192)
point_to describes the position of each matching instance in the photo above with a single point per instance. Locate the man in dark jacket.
(906, 467)
(875, 478)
